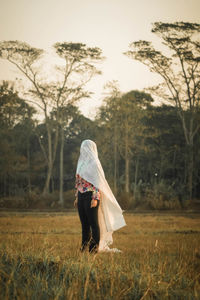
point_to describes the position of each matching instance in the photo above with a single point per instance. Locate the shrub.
(161, 196)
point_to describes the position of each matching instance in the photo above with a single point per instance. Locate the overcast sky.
(109, 24)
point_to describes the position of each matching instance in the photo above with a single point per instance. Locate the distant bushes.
(159, 196)
(162, 196)
(38, 201)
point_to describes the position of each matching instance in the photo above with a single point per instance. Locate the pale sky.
(109, 24)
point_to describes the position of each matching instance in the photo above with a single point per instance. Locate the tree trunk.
(61, 200)
(8, 183)
(136, 177)
(115, 160)
(190, 171)
(48, 178)
(50, 163)
(127, 176)
(5, 183)
(29, 166)
(126, 163)
(52, 147)
(189, 138)
(52, 184)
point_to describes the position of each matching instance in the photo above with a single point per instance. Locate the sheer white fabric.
(109, 213)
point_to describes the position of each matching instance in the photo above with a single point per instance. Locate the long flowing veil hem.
(105, 236)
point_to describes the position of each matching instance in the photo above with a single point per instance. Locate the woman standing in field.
(98, 209)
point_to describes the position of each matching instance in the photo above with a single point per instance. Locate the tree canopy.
(149, 152)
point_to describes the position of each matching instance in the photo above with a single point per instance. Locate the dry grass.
(40, 259)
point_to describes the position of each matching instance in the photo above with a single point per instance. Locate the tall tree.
(78, 70)
(14, 134)
(123, 116)
(25, 58)
(132, 110)
(47, 95)
(180, 71)
(110, 124)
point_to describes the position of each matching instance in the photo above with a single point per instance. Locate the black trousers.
(89, 221)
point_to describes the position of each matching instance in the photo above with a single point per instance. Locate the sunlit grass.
(40, 259)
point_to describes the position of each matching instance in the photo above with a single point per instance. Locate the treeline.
(150, 153)
(141, 147)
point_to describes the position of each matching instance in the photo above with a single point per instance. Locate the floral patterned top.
(83, 186)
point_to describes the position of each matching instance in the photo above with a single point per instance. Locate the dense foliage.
(141, 148)
(150, 153)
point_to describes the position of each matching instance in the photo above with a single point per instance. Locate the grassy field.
(40, 259)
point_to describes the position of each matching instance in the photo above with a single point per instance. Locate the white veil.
(109, 213)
